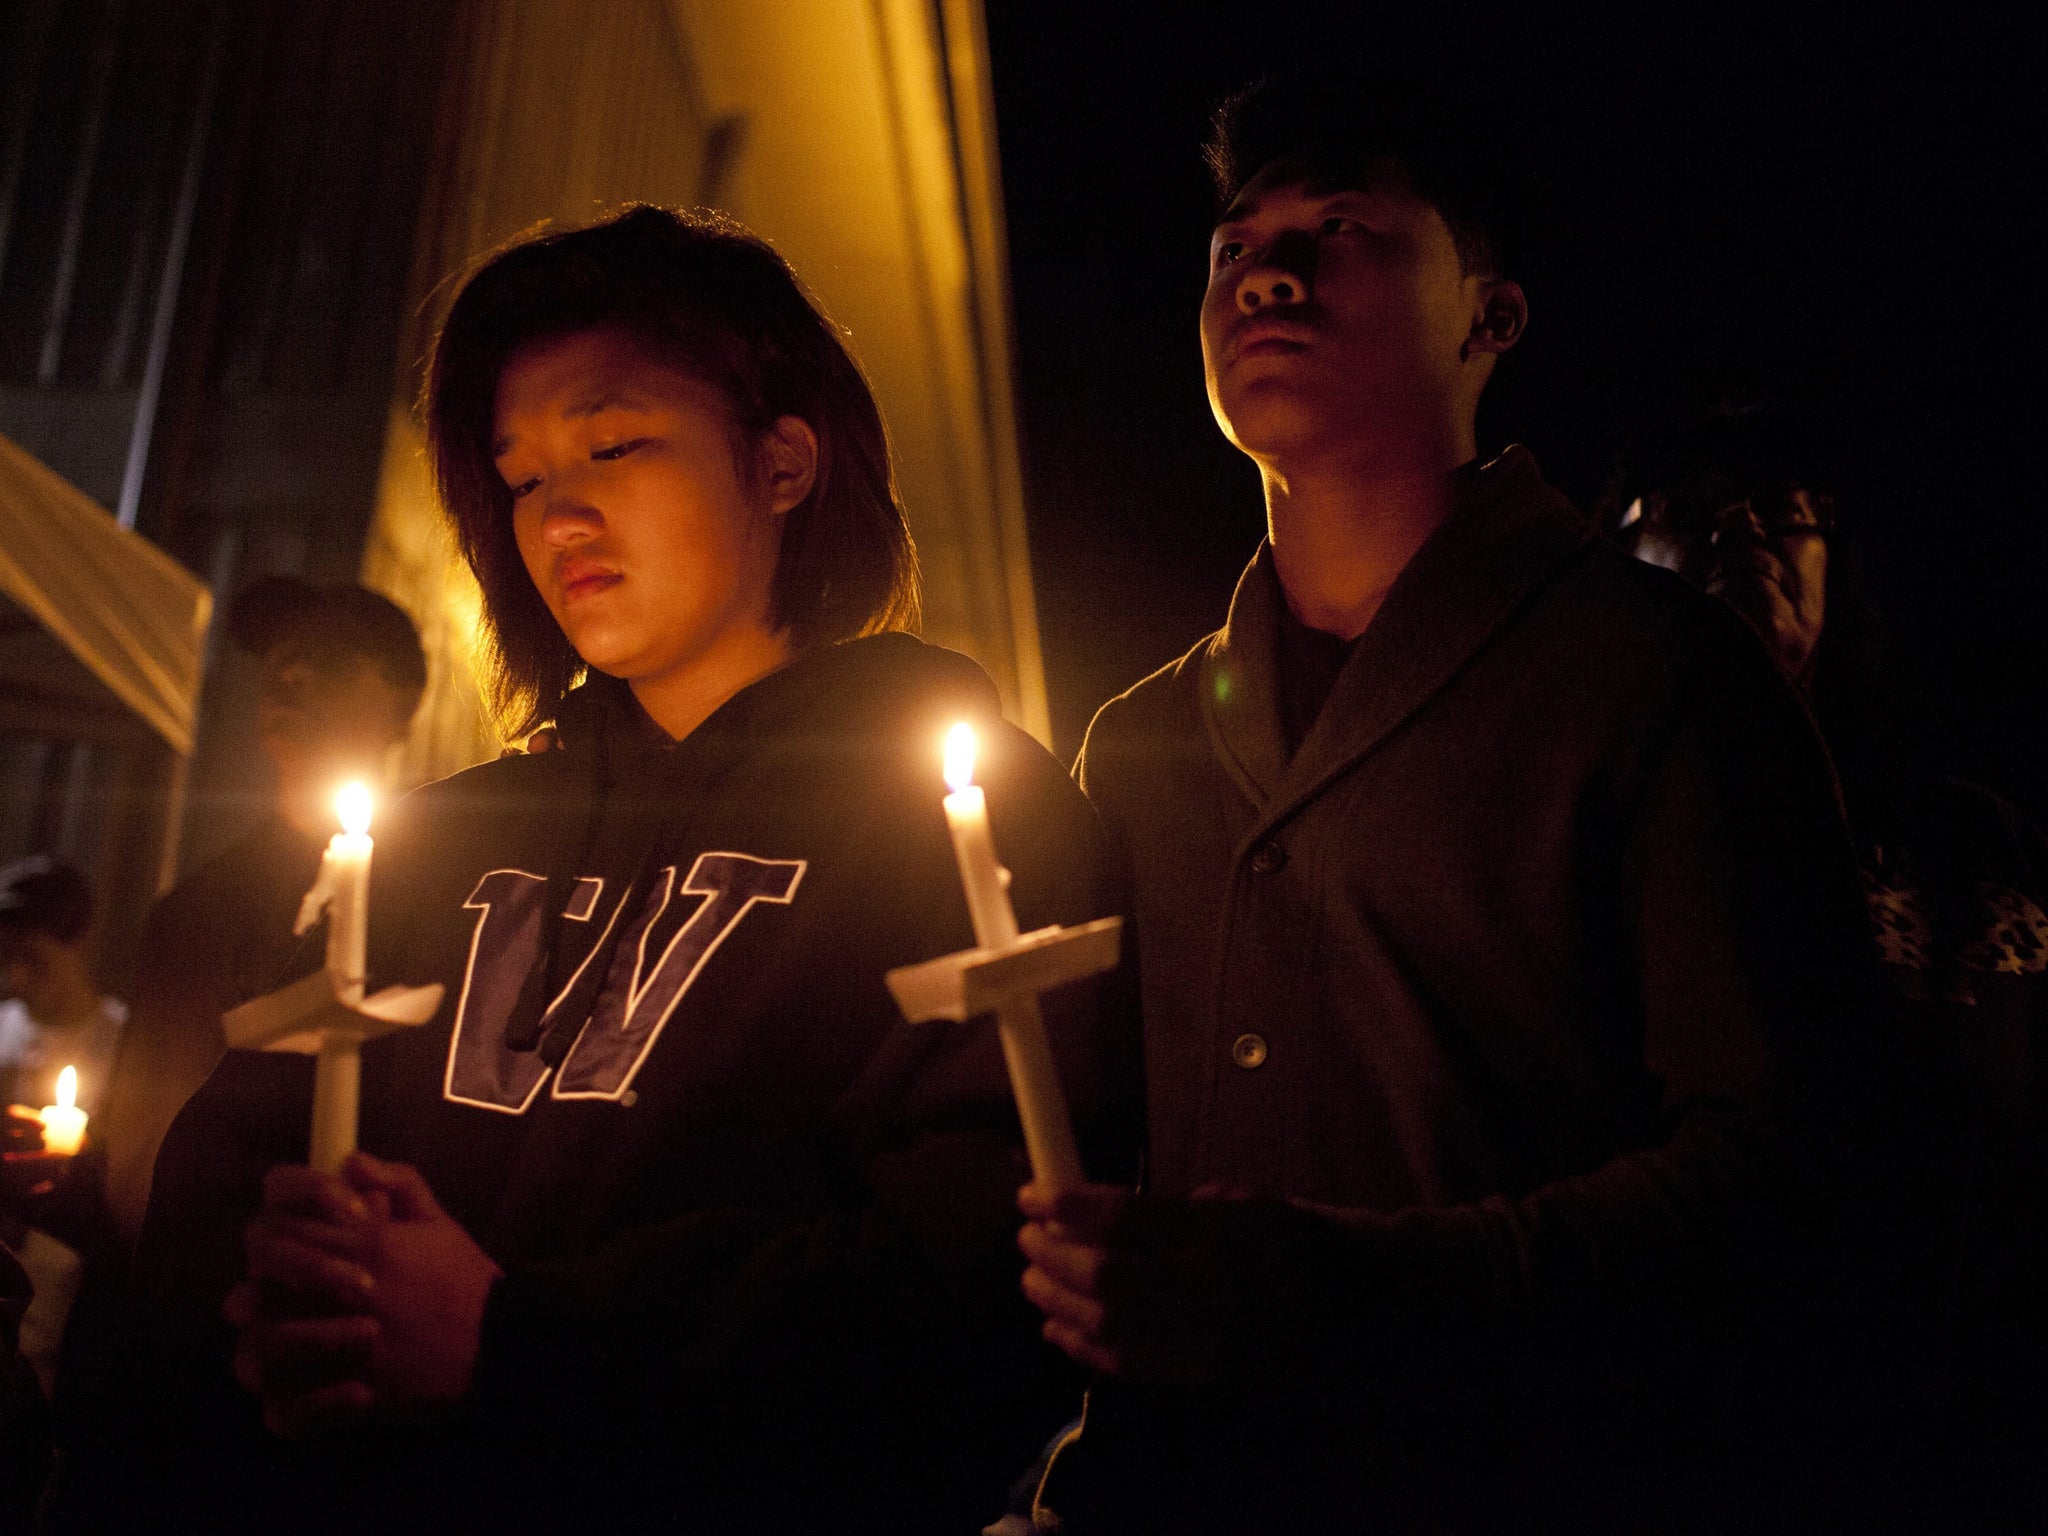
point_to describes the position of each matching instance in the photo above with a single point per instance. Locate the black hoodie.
(757, 1231)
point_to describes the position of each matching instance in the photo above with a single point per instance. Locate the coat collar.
(1501, 542)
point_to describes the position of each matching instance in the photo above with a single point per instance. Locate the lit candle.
(1041, 1104)
(64, 1121)
(337, 1072)
(345, 871)
(987, 882)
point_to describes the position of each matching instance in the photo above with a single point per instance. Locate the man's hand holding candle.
(1135, 1285)
(362, 1297)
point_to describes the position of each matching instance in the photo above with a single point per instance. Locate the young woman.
(667, 1210)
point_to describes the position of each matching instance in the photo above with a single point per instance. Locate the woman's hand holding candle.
(363, 1296)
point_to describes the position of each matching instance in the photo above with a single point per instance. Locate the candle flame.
(67, 1088)
(960, 746)
(352, 805)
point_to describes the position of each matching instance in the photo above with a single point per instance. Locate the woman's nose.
(566, 517)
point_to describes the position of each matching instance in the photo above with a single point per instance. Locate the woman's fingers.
(299, 1191)
(307, 1269)
(303, 1414)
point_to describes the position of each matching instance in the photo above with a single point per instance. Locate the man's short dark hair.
(44, 895)
(1338, 129)
(331, 621)
(705, 296)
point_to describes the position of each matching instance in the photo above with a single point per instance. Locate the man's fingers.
(1074, 1264)
(1116, 1218)
(243, 1305)
(1083, 1313)
(304, 1192)
(312, 1272)
(1083, 1347)
(1089, 1211)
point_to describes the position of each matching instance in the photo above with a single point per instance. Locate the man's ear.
(1500, 315)
(789, 462)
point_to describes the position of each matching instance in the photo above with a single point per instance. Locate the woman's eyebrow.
(603, 400)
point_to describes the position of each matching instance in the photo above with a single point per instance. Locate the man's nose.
(1281, 275)
(1737, 521)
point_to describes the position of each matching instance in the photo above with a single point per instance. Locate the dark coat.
(1535, 986)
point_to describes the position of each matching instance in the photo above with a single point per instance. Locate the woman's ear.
(789, 463)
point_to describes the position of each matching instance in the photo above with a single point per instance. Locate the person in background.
(343, 672)
(1741, 502)
(55, 1016)
(1506, 992)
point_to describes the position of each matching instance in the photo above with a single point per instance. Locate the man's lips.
(1270, 333)
(582, 578)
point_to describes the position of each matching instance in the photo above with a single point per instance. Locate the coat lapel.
(1240, 684)
(1500, 543)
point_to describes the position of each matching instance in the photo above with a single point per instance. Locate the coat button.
(1248, 1051)
(1269, 858)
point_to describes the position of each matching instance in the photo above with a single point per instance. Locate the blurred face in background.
(34, 969)
(326, 713)
(1763, 552)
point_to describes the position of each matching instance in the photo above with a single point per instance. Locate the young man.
(343, 672)
(1500, 940)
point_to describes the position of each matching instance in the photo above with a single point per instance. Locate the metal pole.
(106, 46)
(173, 278)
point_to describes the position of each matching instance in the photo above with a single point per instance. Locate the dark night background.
(1841, 209)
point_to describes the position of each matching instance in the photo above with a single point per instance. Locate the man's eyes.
(1229, 252)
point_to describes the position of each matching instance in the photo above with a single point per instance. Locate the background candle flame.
(960, 746)
(67, 1088)
(352, 805)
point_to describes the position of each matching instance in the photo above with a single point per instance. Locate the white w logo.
(646, 978)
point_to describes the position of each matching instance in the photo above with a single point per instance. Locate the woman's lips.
(579, 579)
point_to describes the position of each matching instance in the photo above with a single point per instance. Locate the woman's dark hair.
(710, 299)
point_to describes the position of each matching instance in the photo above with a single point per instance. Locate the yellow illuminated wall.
(852, 133)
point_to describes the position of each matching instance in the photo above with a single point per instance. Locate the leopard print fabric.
(2014, 939)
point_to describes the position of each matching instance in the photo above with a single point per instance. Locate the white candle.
(345, 871)
(337, 1071)
(1041, 1103)
(64, 1121)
